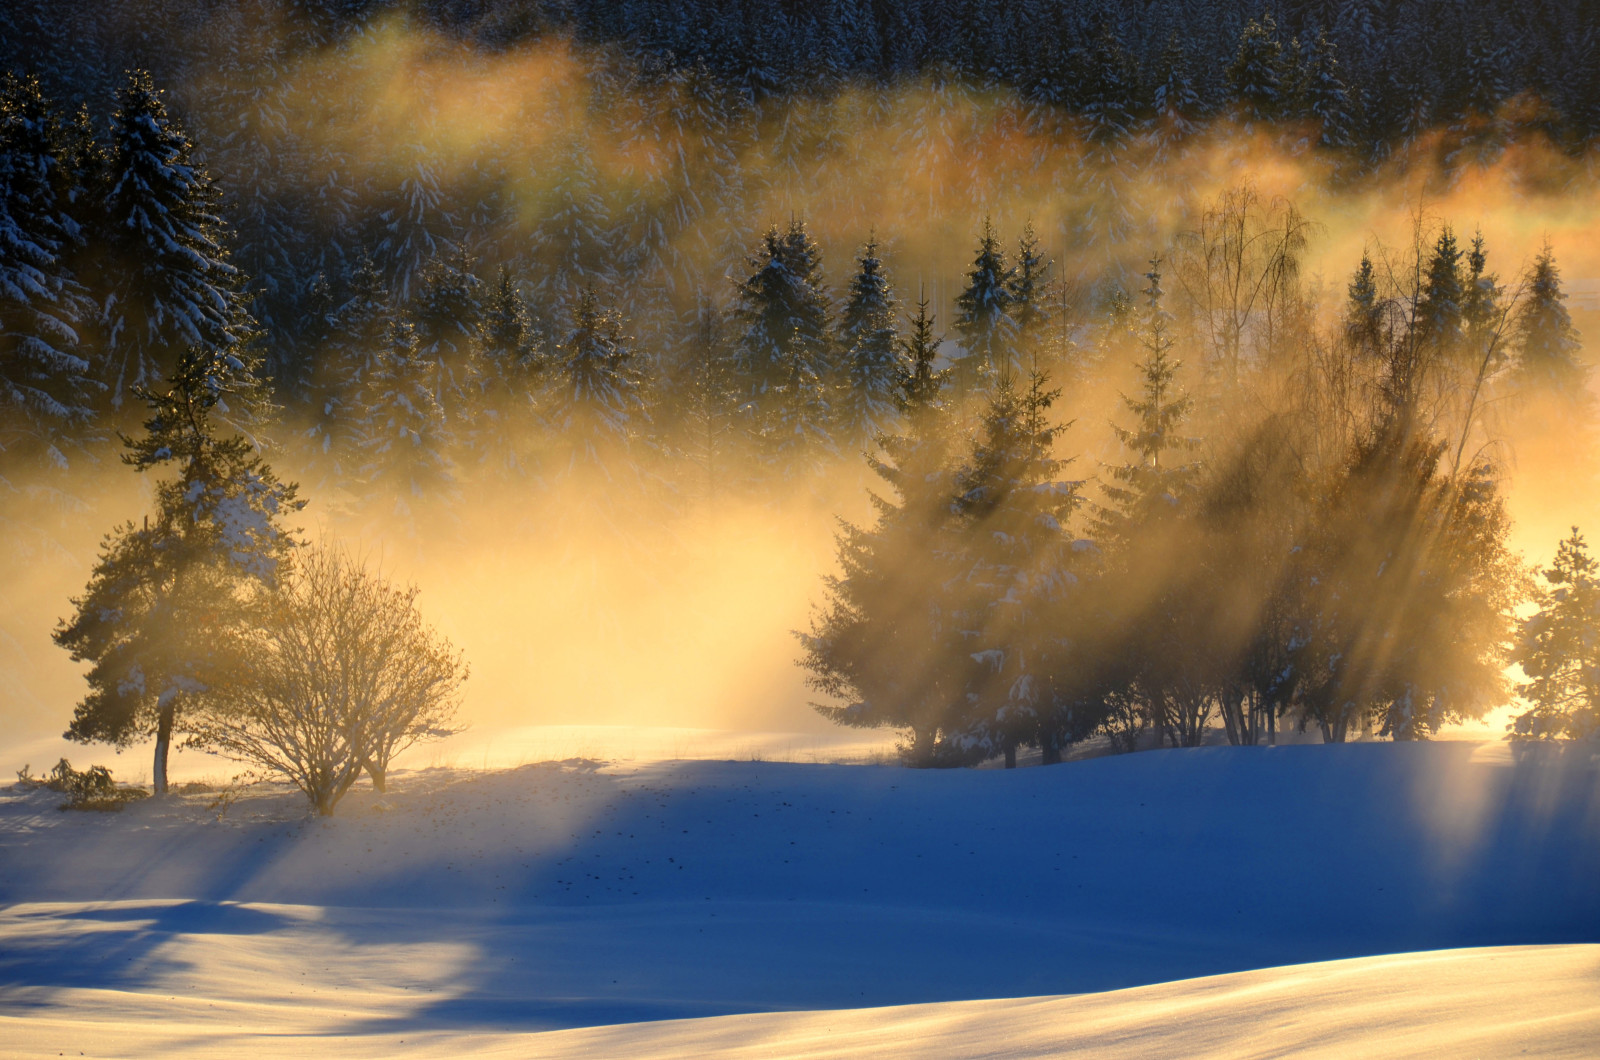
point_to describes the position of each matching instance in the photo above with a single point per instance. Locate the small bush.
(91, 789)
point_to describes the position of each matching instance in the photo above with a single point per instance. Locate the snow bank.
(569, 896)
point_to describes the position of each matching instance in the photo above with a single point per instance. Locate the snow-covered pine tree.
(596, 406)
(1176, 101)
(1548, 351)
(1558, 648)
(1438, 311)
(445, 314)
(781, 359)
(403, 440)
(357, 332)
(1328, 97)
(983, 318)
(164, 596)
(46, 392)
(513, 365)
(1013, 566)
(1256, 74)
(1030, 276)
(1365, 315)
(574, 243)
(1481, 318)
(868, 405)
(414, 223)
(885, 640)
(168, 281)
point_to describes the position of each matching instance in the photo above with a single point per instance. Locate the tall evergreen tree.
(1558, 648)
(885, 640)
(168, 281)
(403, 440)
(46, 391)
(1027, 288)
(1547, 346)
(165, 594)
(1256, 75)
(1439, 303)
(1014, 565)
(868, 405)
(983, 318)
(596, 406)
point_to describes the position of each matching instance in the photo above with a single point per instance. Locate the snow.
(795, 909)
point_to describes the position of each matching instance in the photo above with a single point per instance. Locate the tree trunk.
(379, 775)
(1049, 752)
(158, 769)
(1011, 755)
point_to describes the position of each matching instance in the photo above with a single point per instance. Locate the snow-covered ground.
(780, 908)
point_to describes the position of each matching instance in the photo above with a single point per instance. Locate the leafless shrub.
(339, 676)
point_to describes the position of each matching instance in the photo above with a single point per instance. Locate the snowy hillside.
(569, 896)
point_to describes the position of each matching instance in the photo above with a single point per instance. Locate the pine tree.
(596, 406)
(46, 391)
(983, 320)
(1547, 346)
(1014, 566)
(1364, 318)
(513, 367)
(168, 279)
(1027, 289)
(871, 352)
(1109, 94)
(1150, 488)
(357, 332)
(1558, 648)
(781, 360)
(1328, 98)
(1256, 75)
(1175, 99)
(1439, 304)
(886, 640)
(164, 595)
(446, 314)
(403, 439)
(1480, 306)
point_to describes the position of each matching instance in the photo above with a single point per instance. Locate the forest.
(1043, 278)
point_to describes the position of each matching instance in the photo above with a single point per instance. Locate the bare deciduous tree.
(340, 675)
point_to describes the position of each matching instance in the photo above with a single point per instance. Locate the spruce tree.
(357, 332)
(445, 315)
(595, 404)
(871, 353)
(781, 361)
(1014, 565)
(1439, 304)
(46, 391)
(168, 281)
(886, 641)
(403, 438)
(1328, 97)
(513, 364)
(1027, 288)
(1256, 75)
(164, 594)
(983, 319)
(1547, 346)
(1558, 648)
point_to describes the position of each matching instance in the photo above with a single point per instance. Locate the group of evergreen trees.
(1330, 557)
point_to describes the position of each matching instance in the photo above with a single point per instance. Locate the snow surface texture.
(465, 912)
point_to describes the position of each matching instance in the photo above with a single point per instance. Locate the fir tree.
(1439, 303)
(169, 282)
(1150, 487)
(781, 360)
(1558, 648)
(1547, 346)
(885, 641)
(1256, 75)
(1027, 289)
(983, 318)
(1175, 99)
(164, 595)
(357, 332)
(1014, 567)
(446, 314)
(1480, 305)
(45, 386)
(595, 406)
(403, 439)
(1364, 316)
(512, 370)
(1328, 98)
(871, 352)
